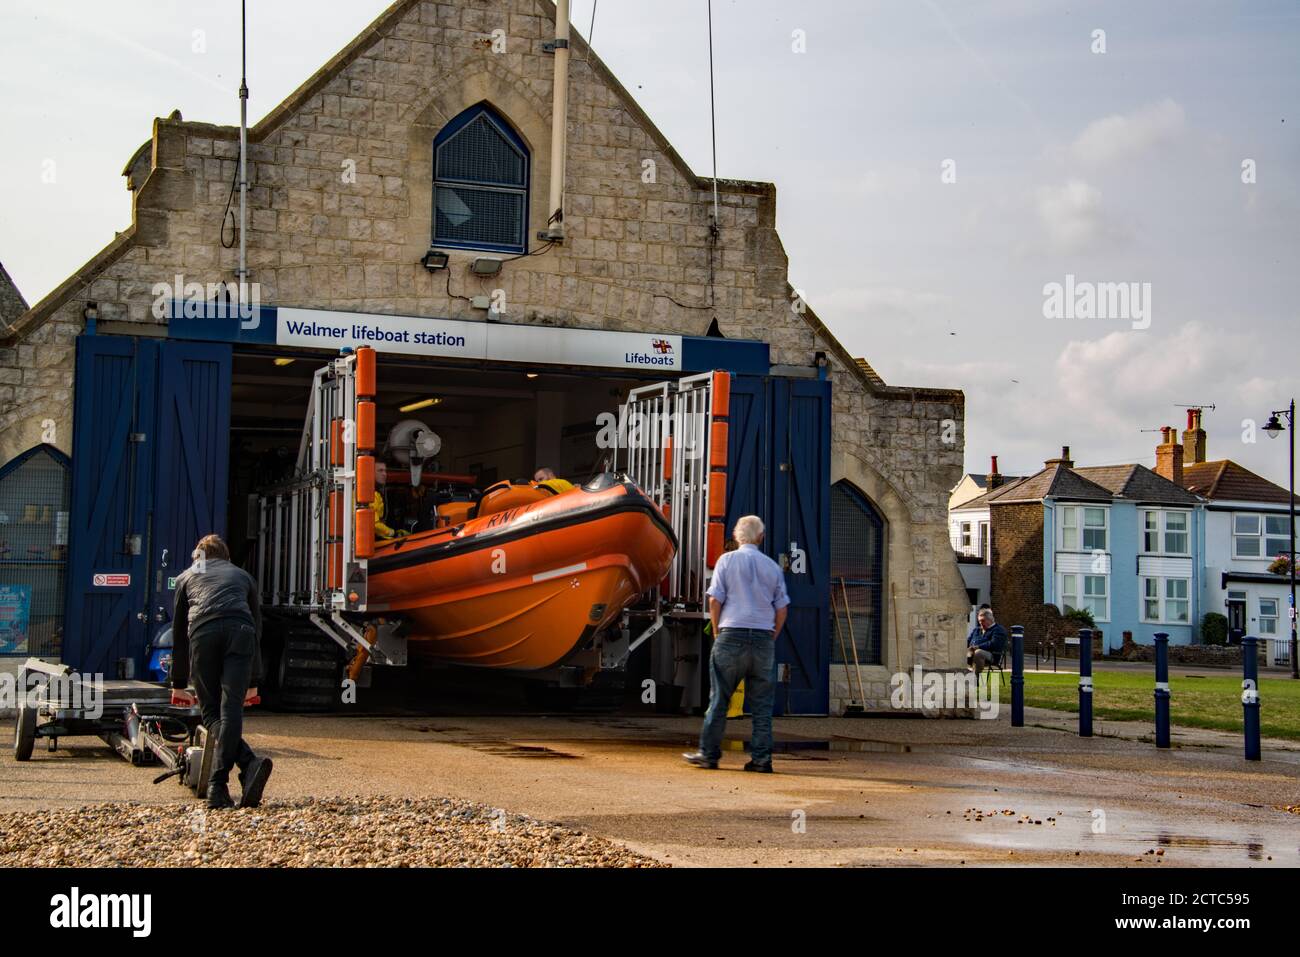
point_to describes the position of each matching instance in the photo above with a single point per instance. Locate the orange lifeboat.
(529, 584)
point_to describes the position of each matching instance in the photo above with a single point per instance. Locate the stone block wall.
(340, 208)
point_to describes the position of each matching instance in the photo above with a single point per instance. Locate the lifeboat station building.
(401, 199)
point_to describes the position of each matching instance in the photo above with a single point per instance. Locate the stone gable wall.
(638, 255)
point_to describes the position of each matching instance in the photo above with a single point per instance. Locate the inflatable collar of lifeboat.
(529, 577)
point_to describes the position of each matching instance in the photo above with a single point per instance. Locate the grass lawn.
(1210, 702)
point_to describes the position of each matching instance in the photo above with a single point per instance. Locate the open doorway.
(494, 423)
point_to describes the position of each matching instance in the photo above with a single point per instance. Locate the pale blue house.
(1121, 541)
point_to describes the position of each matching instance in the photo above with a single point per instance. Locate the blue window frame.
(480, 184)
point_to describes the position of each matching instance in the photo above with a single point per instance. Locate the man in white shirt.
(747, 607)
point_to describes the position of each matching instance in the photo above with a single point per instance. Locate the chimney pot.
(1194, 439)
(1169, 456)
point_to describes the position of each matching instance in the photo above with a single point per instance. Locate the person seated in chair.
(986, 642)
(546, 476)
(383, 532)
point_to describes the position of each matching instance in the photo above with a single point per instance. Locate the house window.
(1094, 597)
(1268, 616)
(1094, 529)
(1151, 599)
(1173, 592)
(1259, 536)
(965, 535)
(1175, 533)
(1151, 532)
(1164, 533)
(1176, 600)
(1069, 529)
(480, 184)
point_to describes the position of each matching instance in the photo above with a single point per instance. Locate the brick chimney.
(1193, 439)
(1064, 461)
(1169, 456)
(995, 478)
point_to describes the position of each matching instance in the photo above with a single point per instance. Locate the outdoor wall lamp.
(434, 260)
(485, 266)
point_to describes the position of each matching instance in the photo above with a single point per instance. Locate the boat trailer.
(135, 718)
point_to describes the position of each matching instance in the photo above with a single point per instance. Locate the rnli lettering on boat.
(645, 359)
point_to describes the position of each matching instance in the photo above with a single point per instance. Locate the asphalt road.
(876, 791)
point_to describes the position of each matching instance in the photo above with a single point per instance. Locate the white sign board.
(459, 339)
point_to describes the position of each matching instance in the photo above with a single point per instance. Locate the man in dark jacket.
(216, 629)
(986, 641)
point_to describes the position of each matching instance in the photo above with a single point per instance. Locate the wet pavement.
(847, 792)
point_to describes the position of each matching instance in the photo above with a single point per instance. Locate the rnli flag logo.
(662, 346)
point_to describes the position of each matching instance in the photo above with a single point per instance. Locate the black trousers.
(222, 650)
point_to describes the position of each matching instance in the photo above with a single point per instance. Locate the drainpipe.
(559, 123)
(243, 155)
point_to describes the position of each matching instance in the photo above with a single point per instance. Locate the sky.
(939, 165)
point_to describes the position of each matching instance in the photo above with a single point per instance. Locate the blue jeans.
(747, 654)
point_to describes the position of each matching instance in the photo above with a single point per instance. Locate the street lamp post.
(1273, 428)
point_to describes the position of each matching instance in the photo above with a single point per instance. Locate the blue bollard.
(1162, 689)
(1085, 682)
(1250, 695)
(1017, 676)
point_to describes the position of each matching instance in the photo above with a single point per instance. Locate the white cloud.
(1124, 135)
(1073, 216)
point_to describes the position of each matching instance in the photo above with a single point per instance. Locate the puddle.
(849, 745)
(508, 749)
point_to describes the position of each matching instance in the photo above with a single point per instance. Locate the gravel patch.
(329, 832)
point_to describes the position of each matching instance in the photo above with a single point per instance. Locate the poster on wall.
(15, 603)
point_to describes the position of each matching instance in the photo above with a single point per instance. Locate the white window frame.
(1084, 528)
(1070, 512)
(1163, 599)
(1079, 586)
(1262, 537)
(1162, 531)
(1277, 607)
(965, 535)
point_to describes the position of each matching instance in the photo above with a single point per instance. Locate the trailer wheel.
(24, 732)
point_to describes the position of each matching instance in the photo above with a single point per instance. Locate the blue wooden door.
(191, 464)
(748, 449)
(799, 536)
(149, 459)
(111, 471)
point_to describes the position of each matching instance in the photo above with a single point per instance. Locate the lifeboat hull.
(524, 588)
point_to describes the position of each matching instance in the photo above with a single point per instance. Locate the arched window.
(857, 572)
(480, 184)
(35, 489)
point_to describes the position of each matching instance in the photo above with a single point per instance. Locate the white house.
(1245, 530)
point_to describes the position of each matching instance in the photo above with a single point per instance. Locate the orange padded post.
(717, 495)
(336, 442)
(336, 514)
(365, 533)
(718, 446)
(365, 480)
(365, 426)
(716, 543)
(365, 371)
(721, 394)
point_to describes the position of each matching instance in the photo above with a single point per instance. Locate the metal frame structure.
(675, 450)
(308, 555)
